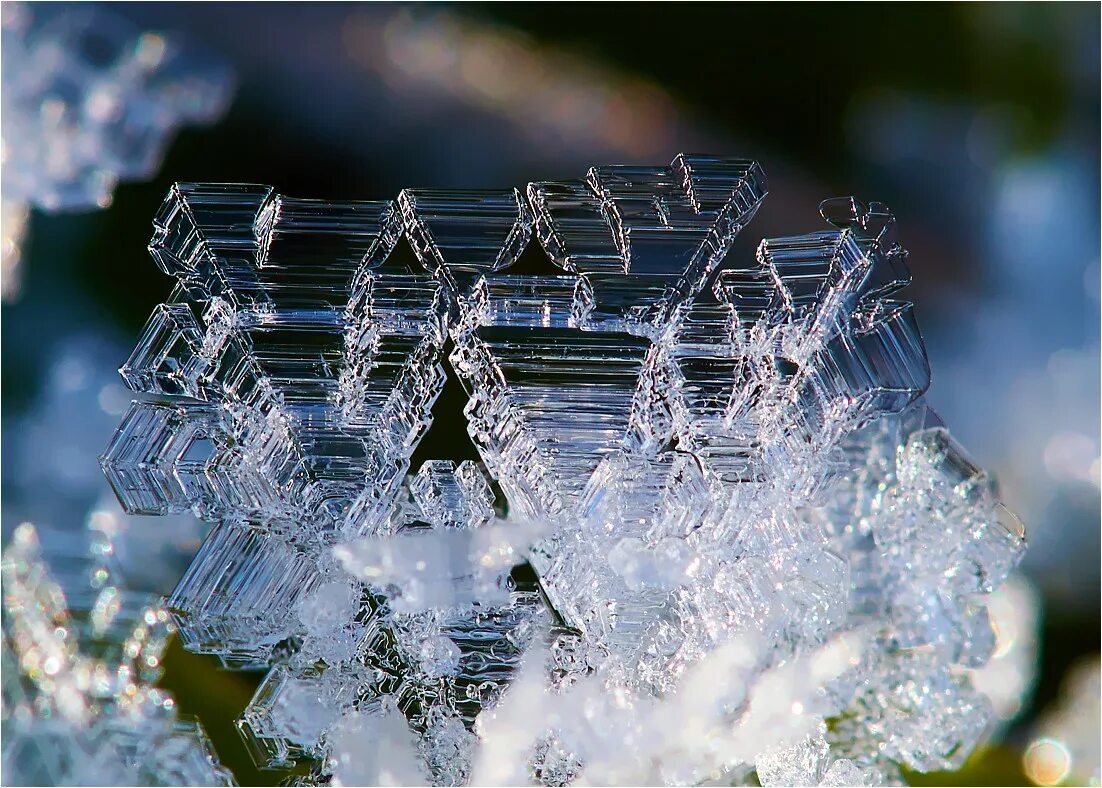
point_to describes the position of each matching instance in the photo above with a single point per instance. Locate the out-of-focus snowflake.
(1008, 677)
(79, 702)
(89, 101)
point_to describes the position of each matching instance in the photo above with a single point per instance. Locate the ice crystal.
(736, 536)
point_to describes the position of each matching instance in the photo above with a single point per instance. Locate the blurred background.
(977, 123)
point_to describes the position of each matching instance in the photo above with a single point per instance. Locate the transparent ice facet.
(318, 361)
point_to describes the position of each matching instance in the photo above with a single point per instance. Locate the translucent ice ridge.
(714, 470)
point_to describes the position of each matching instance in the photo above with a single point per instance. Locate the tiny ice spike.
(731, 517)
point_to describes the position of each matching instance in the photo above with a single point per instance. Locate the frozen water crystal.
(735, 536)
(808, 763)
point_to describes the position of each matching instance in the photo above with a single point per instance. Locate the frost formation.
(736, 542)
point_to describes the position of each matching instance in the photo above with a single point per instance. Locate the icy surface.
(735, 536)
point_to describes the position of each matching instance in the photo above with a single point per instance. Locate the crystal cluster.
(89, 101)
(735, 537)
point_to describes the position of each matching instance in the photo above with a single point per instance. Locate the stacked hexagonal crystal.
(737, 543)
